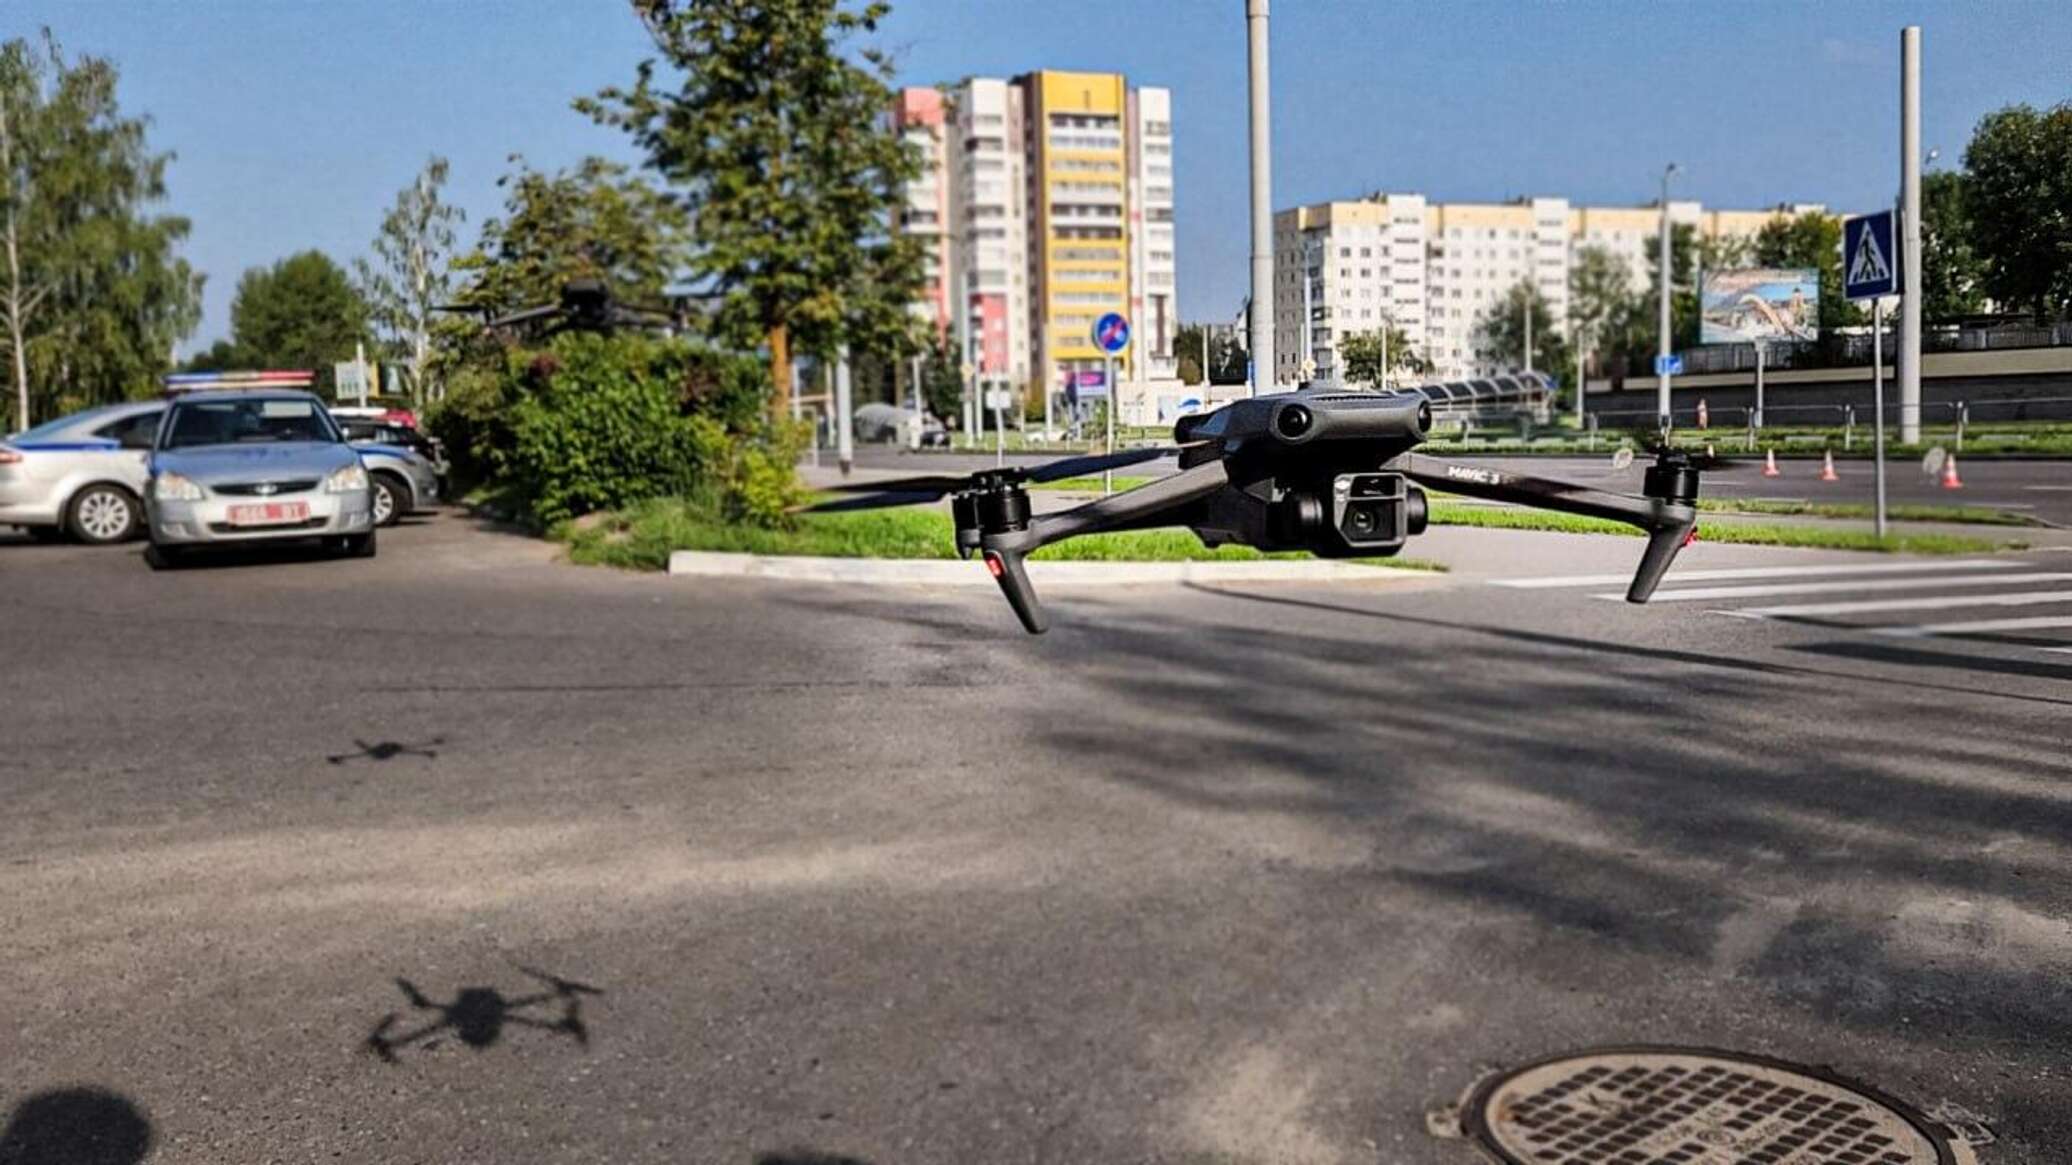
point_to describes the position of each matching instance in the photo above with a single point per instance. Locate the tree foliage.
(1360, 356)
(92, 294)
(1600, 296)
(1952, 276)
(411, 281)
(2019, 196)
(302, 312)
(1501, 332)
(778, 144)
(595, 221)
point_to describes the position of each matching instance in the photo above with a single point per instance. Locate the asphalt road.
(1253, 875)
(2042, 489)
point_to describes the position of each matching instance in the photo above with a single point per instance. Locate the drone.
(1320, 470)
(586, 305)
(477, 1015)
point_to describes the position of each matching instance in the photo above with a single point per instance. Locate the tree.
(93, 296)
(2019, 194)
(1501, 331)
(300, 313)
(592, 222)
(1360, 354)
(1951, 273)
(414, 246)
(942, 383)
(1600, 294)
(1813, 239)
(778, 145)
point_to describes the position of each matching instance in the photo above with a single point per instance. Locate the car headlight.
(171, 487)
(346, 480)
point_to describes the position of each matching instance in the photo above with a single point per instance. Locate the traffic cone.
(1949, 477)
(1827, 468)
(1770, 463)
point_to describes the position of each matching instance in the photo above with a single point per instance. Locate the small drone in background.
(1322, 470)
(586, 305)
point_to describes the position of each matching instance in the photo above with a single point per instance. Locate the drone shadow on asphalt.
(387, 750)
(479, 1016)
(1664, 816)
(75, 1126)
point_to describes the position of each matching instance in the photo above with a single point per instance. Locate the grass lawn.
(1746, 533)
(642, 537)
(1969, 515)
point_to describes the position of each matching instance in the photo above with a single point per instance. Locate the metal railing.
(1853, 349)
(1956, 413)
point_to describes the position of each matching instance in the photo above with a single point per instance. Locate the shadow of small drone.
(383, 750)
(477, 1016)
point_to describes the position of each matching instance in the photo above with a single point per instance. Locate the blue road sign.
(1869, 269)
(1112, 333)
(1670, 365)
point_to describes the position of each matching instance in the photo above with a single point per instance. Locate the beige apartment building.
(1435, 270)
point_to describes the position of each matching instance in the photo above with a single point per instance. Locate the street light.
(1662, 346)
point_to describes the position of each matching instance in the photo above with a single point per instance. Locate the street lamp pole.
(1262, 194)
(1528, 329)
(1910, 235)
(1662, 342)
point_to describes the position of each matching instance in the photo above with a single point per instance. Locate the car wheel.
(391, 499)
(163, 557)
(101, 514)
(357, 545)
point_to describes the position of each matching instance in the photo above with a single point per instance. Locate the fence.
(1851, 349)
(1958, 413)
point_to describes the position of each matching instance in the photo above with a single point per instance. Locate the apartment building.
(1435, 270)
(1058, 208)
(917, 115)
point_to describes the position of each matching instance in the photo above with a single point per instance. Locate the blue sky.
(295, 123)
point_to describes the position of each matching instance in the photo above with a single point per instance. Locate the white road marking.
(1978, 626)
(1931, 603)
(1852, 586)
(1751, 572)
(2050, 488)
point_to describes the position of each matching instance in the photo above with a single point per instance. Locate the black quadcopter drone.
(586, 305)
(1320, 470)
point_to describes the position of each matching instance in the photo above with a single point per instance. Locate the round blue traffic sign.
(1112, 333)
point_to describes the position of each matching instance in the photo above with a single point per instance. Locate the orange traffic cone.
(1770, 463)
(1949, 477)
(1827, 468)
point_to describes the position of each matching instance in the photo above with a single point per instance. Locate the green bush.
(597, 422)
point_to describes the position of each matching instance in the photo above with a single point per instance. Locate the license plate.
(269, 514)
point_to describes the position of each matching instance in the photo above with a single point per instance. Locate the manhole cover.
(1691, 1106)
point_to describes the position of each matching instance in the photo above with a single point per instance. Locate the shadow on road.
(385, 750)
(75, 1126)
(477, 1016)
(807, 1157)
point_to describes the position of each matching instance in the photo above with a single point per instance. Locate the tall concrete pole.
(967, 404)
(845, 415)
(1262, 197)
(1910, 235)
(1662, 341)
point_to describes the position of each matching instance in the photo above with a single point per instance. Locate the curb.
(953, 572)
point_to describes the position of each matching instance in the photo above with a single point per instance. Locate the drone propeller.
(908, 491)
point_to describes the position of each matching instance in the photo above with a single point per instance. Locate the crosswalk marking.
(1873, 606)
(1851, 586)
(1828, 570)
(1977, 627)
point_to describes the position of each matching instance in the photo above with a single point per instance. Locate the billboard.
(1760, 305)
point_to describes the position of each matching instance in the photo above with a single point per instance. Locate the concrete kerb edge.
(953, 572)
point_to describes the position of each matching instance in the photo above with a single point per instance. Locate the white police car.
(81, 475)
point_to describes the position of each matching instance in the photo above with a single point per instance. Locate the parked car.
(403, 480)
(369, 432)
(234, 468)
(81, 475)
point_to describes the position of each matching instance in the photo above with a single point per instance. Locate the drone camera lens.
(1363, 520)
(1293, 422)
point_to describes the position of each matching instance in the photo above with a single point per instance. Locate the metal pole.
(1759, 361)
(845, 418)
(1528, 329)
(1910, 235)
(1308, 324)
(1108, 475)
(999, 426)
(920, 405)
(1262, 194)
(360, 369)
(1582, 346)
(1384, 350)
(1205, 379)
(1878, 410)
(1662, 340)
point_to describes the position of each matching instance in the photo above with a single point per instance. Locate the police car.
(81, 475)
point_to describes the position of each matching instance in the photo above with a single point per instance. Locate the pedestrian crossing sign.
(1868, 267)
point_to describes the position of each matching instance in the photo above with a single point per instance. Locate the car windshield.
(245, 422)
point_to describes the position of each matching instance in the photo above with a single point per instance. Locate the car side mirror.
(136, 440)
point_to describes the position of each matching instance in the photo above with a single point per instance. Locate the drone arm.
(1668, 523)
(1139, 507)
